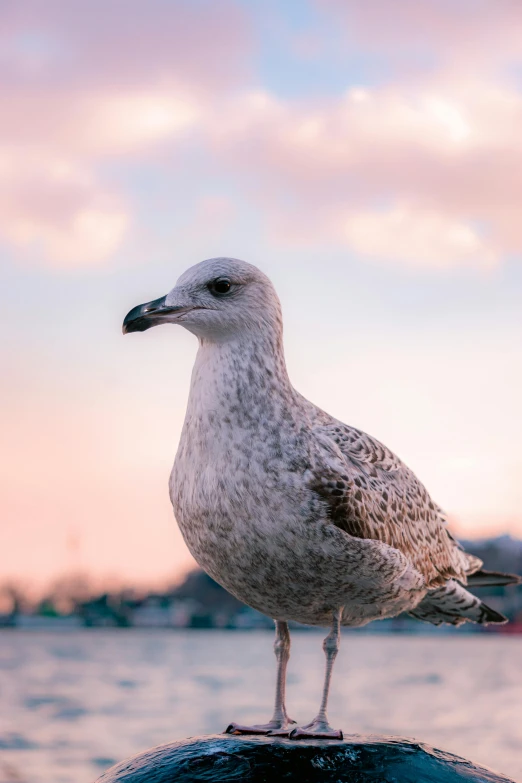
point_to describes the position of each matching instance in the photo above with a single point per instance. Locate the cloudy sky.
(367, 156)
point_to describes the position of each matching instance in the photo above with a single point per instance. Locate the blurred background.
(367, 157)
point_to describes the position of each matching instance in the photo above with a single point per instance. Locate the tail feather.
(454, 605)
(485, 578)
(492, 616)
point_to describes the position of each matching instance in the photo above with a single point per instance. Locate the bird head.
(217, 300)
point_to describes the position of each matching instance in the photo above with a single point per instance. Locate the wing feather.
(371, 493)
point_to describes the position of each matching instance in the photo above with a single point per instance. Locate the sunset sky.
(366, 155)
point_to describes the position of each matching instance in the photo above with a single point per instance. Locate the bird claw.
(238, 728)
(316, 730)
(272, 729)
(282, 732)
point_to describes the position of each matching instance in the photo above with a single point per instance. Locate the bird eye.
(220, 286)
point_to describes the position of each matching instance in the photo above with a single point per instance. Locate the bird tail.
(454, 605)
(485, 578)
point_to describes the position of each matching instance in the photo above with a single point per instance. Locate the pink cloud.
(414, 236)
(57, 209)
(52, 197)
(125, 43)
(431, 163)
(451, 31)
(423, 168)
(84, 83)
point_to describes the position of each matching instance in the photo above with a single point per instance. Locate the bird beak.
(149, 314)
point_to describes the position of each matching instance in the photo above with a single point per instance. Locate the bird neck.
(244, 379)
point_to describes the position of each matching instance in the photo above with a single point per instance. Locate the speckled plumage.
(292, 511)
(295, 513)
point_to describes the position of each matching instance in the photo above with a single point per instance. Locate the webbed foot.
(317, 729)
(273, 728)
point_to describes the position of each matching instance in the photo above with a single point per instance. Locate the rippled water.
(74, 703)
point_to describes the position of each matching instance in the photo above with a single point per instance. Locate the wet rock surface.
(356, 759)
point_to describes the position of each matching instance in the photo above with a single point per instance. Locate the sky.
(367, 156)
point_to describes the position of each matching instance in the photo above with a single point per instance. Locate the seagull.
(298, 515)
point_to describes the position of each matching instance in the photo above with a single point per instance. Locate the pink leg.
(320, 728)
(280, 724)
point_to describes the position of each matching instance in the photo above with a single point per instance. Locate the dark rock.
(356, 759)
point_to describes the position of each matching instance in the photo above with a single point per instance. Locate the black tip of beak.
(142, 317)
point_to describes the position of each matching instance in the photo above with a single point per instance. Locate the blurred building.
(199, 602)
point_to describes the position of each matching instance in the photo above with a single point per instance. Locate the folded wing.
(371, 494)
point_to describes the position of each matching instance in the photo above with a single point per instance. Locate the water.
(72, 703)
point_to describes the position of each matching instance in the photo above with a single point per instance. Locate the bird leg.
(319, 728)
(280, 724)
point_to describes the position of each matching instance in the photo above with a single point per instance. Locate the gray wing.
(371, 494)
